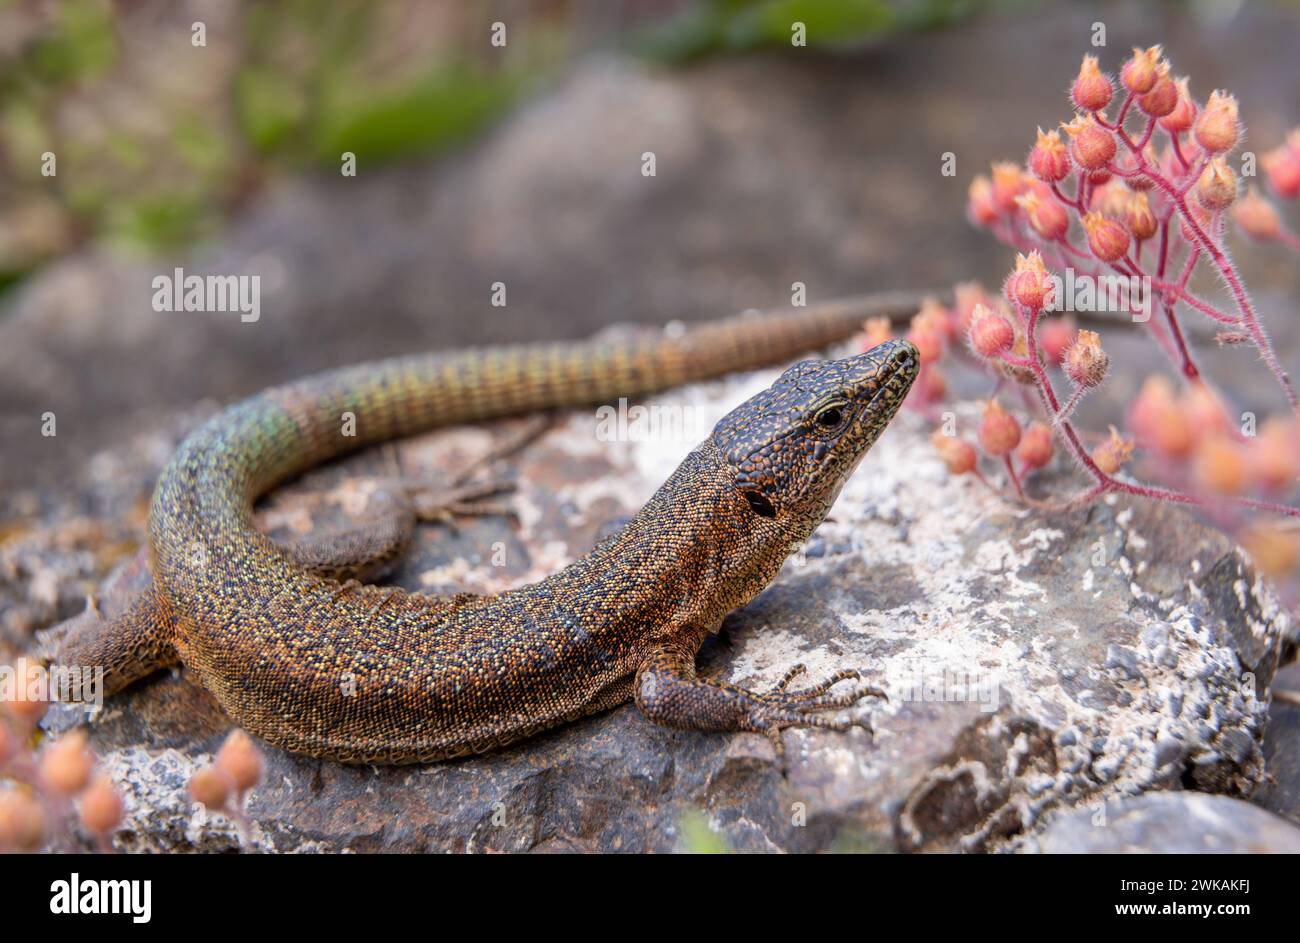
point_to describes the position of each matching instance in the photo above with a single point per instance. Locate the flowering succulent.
(1091, 90)
(1140, 71)
(1139, 188)
(42, 786)
(1085, 361)
(1049, 160)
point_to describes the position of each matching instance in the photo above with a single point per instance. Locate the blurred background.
(519, 164)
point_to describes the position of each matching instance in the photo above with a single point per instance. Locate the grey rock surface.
(1032, 664)
(1171, 823)
(1281, 792)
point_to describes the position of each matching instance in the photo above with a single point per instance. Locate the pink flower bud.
(1163, 97)
(931, 387)
(1256, 217)
(1139, 73)
(1113, 454)
(241, 760)
(1035, 449)
(1030, 284)
(968, 296)
(23, 821)
(1049, 160)
(1219, 465)
(1008, 183)
(1282, 166)
(1107, 239)
(1091, 90)
(67, 764)
(980, 207)
(1139, 218)
(1217, 128)
(1160, 421)
(1184, 113)
(101, 806)
(1092, 146)
(990, 333)
(1217, 186)
(1275, 454)
(999, 431)
(957, 454)
(1047, 217)
(1274, 549)
(875, 331)
(211, 787)
(1055, 335)
(1085, 361)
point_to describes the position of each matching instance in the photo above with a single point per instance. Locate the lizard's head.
(793, 446)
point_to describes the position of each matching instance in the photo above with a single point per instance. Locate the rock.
(1281, 792)
(1017, 649)
(1170, 823)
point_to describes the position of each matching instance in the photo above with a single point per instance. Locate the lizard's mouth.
(898, 373)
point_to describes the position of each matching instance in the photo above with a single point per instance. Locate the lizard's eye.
(759, 503)
(829, 417)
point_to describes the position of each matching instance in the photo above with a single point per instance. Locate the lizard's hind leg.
(363, 551)
(367, 549)
(128, 634)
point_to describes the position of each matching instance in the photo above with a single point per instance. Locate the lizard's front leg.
(669, 693)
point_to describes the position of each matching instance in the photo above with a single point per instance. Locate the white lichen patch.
(158, 813)
(771, 653)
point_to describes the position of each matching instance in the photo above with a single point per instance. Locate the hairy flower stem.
(1105, 483)
(1249, 318)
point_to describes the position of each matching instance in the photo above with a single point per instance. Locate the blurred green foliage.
(80, 46)
(330, 102)
(157, 139)
(156, 142)
(718, 26)
(444, 106)
(696, 836)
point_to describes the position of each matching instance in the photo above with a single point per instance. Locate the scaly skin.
(369, 674)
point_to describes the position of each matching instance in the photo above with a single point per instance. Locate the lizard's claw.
(790, 675)
(782, 695)
(808, 707)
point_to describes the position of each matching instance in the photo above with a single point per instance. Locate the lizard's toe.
(815, 697)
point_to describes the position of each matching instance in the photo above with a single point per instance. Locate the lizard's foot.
(668, 692)
(464, 497)
(444, 505)
(782, 708)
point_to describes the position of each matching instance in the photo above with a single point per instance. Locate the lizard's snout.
(887, 368)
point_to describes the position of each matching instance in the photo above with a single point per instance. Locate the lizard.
(301, 654)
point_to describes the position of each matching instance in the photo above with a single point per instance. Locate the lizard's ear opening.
(759, 503)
